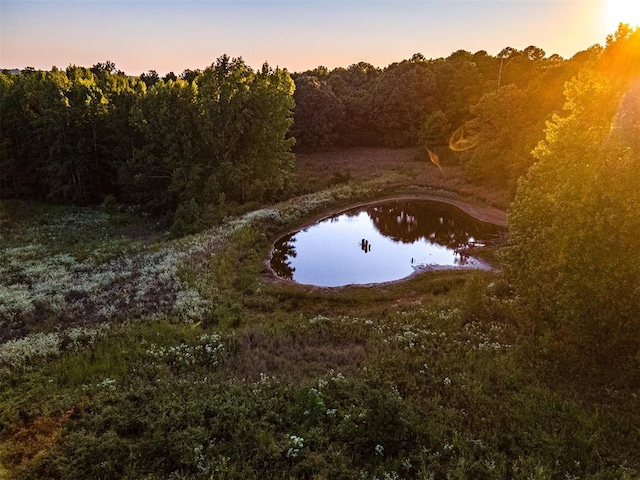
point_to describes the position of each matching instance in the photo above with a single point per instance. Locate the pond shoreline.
(480, 212)
(477, 210)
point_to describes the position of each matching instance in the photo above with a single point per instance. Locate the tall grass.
(235, 375)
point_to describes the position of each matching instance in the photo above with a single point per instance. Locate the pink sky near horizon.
(141, 35)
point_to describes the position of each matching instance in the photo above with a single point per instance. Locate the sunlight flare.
(622, 11)
(460, 140)
(435, 160)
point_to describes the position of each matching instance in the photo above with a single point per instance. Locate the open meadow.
(126, 353)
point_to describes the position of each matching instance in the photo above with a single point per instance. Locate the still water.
(381, 243)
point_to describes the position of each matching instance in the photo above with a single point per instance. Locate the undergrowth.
(239, 376)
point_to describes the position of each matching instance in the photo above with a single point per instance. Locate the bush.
(185, 219)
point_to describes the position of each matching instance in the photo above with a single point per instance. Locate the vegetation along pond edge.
(483, 213)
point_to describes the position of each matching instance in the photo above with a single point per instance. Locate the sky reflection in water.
(381, 243)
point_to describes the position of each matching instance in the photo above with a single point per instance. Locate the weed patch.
(183, 359)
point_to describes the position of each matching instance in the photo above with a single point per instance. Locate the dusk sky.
(174, 35)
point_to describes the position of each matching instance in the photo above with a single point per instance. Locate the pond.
(382, 242)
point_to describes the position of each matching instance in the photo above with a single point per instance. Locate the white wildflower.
(108, 384)
(296, 443)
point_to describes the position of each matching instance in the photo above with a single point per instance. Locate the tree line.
(207, 139)
(191, 144)
(499, 104)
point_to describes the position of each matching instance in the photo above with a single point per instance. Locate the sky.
(174, 35)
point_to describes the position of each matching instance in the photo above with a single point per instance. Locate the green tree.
(117, 137)
(150, 78)
(318, 112)
(32, 103)
(10, 119)
(163, 169)
(80, 172)
(223, 94)
(169, 77)
(265, 149)
(460, 84)
(504, 132)
(353, 87)
(245, 117)
(402, 98)
(189, 75)
(436, 129)
(574, 254)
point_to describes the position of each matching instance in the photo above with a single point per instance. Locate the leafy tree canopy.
(574, 255)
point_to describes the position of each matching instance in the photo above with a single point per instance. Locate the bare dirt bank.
(484, 213)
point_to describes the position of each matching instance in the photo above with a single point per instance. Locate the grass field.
(396, 169)
(128, 354)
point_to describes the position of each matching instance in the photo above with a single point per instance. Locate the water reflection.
(408, 236)
(437, 222)
(365, 246)
(282, 256)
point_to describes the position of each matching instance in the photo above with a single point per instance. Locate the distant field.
(399, 168)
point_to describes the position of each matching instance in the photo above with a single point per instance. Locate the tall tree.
(159, 172)
(170, 77)
(245, 118)
(150, 78)
(318, 113)
(265, 156)
(574, 254)
(353, 86)
(80, 173)
(402, 98)
(460, 84)
(504, 131)
(189, 75)
(223, 93)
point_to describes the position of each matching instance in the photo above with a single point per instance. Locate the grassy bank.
(126, 354)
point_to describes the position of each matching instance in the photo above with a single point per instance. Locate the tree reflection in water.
(409, 235)
(436, 222)
(281, 257)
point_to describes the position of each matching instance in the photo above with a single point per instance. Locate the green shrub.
(185, 219)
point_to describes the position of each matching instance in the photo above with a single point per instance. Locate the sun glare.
(622, 11)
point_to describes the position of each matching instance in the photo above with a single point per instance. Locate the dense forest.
(499, 104)
(84, 134)
(129, 353)
(223, 135)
